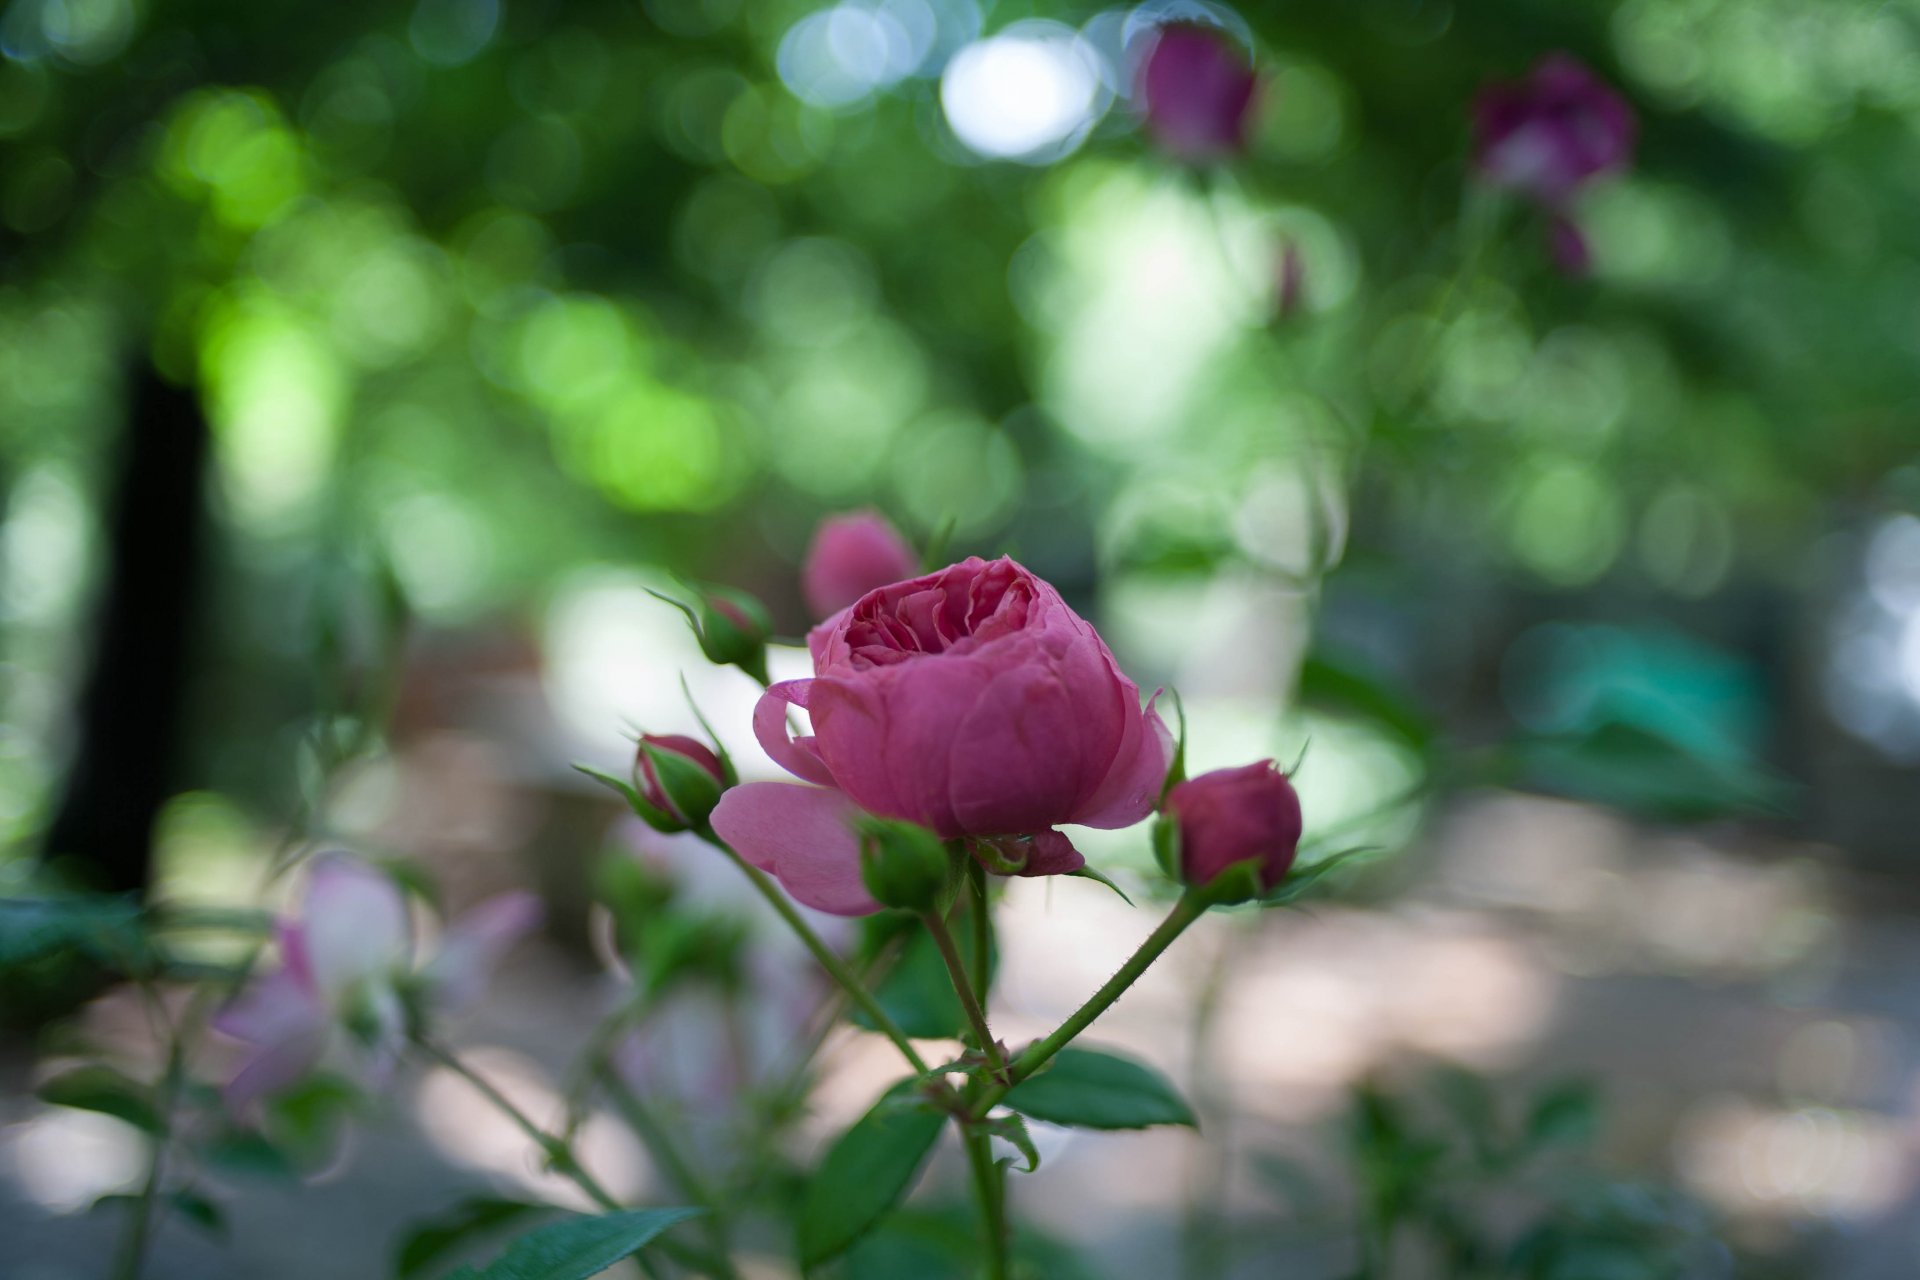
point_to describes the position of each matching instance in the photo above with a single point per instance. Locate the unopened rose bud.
(733, 630)
(1552, 133)
(852, 554)
(1196, 92)
(1237, 830)
(680, 780)
(903, 865)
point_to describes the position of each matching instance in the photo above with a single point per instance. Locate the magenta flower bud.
(850, 556)
(1232, 817)
(1195, 91)
(1290, 283)
(1567, 246)
(678, 776)
(1551, 133)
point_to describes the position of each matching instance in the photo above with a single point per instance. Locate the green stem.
(982, 930)
(673, 1163)
(986, 1189)
(1185, 912)
(976, 1016)
(836, 967)
(558, 1152)
(131, 1256)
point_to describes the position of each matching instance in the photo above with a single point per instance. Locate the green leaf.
(200, 1211)
(105, 928)
(103, 1089)
(1098, 877)
(866, 1172)
(1092, 1089)
(580, 1246)
(249, 1155)
(1340, 684)
(918, 995)
(1566, 1113)
(429, 1244)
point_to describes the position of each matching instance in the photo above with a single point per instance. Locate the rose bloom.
(852, 554)
(347, 976)
(1196, 91)
(1551, 133)
(972, 701)
(1231, 816)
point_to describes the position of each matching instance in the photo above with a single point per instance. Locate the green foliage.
(580, 1246)
(98, 1087)
(865, 1172)
(944, 1244)
(1095, 1089)
(431, 1243)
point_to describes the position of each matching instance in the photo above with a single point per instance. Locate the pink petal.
(354, 923)
(473, 945)
(281, 1005)
(798, 756)
(274, 1068)
(1053, 855)
(1017, 753)
(803, 837)
(1132, 787)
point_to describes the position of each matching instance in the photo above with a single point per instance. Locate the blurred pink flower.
(346, 965)
(972, 701)
(1567, 245)
(1551, 133)
(1196, 92)
(1231, 816)
(850, 556)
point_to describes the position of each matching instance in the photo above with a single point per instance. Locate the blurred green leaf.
(917, 993)
(1093, 1089)
(866, 1172)
(430, 1243)
(104, 928)
(1566, 1113)
(102, 1088)
(1338, 683)
(581, 1246)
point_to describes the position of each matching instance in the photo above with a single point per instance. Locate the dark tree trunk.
(129, 717)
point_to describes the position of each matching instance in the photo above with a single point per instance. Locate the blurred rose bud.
(733, 631)
(850, 556)
(679, 778)
(1551, 133)
(1245, 819)
(1196, 92)
(1567, 245)
(902, 864)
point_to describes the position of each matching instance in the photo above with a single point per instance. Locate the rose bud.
(1290, 283)
(971, 701)
(1196, 92)
(678, 779)
(852, 554)
(1551, 133)
(902, 864)
(1244, 821)
(733, 629)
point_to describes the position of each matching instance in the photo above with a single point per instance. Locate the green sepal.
(1165, 837)
(1303, 880)
(1237, 884)
(1012, 1127)
(658, 819)
(689, 788)
(1101, 877)
(904, 865)
(730, 777)
(1177, 767)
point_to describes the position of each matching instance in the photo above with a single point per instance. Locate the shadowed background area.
(361, 375)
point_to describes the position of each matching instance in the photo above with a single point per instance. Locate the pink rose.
(1551, 133)
(685, 796)
(972, 701)
(1196, 91)
(1231, 816)
(850, 556)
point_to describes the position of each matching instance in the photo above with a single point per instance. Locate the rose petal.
(278, 1006)
(473, 945)
(1051, 854)
(798, 756)
(803, 837)
(276, 1067)
(354, 923)
(1016, 761)
(1132, 787)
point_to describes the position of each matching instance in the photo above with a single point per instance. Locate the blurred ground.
(1746, 1006)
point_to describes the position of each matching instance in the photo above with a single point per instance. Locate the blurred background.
(362, 369)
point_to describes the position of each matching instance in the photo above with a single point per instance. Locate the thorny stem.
(969, 1001)
(836, 967)
(987, 1183)
(1189, 908)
